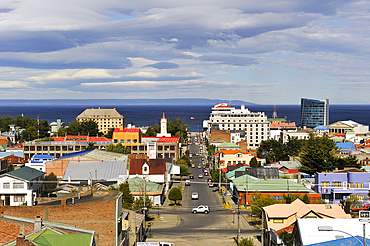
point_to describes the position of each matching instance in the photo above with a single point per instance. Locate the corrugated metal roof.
(137, 185)
(26, 173)
(105, 170)
(106, 155)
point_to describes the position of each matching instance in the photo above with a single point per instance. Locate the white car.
(200, 176)
(201, 209)
(194, 195)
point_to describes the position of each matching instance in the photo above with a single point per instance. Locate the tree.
(211, 149)
(119, 148)
(109, 133)
(50, 183)
(175, 195)
(354, 201)
(272, 151)
(261, 202)
(341, 163)
(178, 128)
(286, 237)
(294, 146)
(317, 155)
(89, 127)
(184, 160)
(127, 198)
(254, 163)
(184, 170)
(246, 241)
(139, 203)
(10, 167)
(74, 128)
(150, 132)
(90, 145)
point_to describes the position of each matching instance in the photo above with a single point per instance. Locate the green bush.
(246, 241)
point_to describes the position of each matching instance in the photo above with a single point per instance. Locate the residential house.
(100, 211)
(20, 186)
(317, 231)
(246, 185)
(153, 190)
(38, 161)
(335, 187)
(21, 232)
(232, 157)
(282, 217)
(15, 158)
(346, 149)
(286, 168)
(155, 169)
(277, 127)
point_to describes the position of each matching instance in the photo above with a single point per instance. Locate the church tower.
(163, 128)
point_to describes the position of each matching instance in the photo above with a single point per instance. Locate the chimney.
(20, 239)
(37, 225)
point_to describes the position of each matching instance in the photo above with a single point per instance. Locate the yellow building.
(126, 136)
(233, 157)
(105, 118)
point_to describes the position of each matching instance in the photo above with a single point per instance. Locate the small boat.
(192, 118)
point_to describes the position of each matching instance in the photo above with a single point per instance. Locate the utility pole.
(144, 201)
(238, 219)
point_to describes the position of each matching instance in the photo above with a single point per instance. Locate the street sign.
(224, 194)
(364, 216)
(234, 211)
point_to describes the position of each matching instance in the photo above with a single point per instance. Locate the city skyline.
(270, 52)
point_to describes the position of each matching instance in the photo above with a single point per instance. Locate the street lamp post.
(329, 228)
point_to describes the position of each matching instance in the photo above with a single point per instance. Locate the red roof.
(17, 146)
(127, 130)
(156, 166)
(168, 139)
(81, 138)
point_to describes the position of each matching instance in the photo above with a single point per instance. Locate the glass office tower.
(314, 112)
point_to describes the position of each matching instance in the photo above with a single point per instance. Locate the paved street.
(178, 225)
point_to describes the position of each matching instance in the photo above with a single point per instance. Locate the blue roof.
(322, 128)
(345, 146)
(80, 153)
(343, 241)
(43, 157)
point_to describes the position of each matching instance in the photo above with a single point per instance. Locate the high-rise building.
(254, 124)
(314, 112)
(105, 118)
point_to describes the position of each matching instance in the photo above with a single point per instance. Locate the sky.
(264, 52)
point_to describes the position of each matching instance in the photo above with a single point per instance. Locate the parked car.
(199, 166)
(200, 176)
(201, 209)
(194, 195)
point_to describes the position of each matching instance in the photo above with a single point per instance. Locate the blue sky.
(266, 52)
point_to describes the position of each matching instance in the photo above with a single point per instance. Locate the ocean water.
(145, 115)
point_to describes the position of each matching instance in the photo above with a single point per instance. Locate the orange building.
(126, 136)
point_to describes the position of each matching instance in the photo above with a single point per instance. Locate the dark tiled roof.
(26, 173)
(156, 166)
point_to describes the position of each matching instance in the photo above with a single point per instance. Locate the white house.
(38, 162)
(20, 186)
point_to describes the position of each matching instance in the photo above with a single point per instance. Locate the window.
(128, 141)
(337, 184)
(172, 147)
(159, 147)
(6, 186)
(18, 185)
(19, 198)
(122, 141)
(324, 184)
(115, 140)
(134, 141)
(278, 221)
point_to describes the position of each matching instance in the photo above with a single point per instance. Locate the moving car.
(191, 176)
(205, 173)
(187, 182)
(201, 209)
(199, 166)
(194, 195)
(210, 184)
(200, 176)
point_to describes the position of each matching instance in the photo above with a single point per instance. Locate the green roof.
(277, 119)
(272, 185)
(137, 184)
(337, 139)
(26, 173)
(228, 145)
(50, 238)
(231, 174)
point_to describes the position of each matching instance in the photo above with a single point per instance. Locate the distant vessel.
(192, 118)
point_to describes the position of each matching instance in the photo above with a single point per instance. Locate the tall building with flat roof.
(105, 118)
(314, 112)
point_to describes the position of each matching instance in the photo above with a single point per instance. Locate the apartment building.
(105, 118)
(63, 145)
(226, 118)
